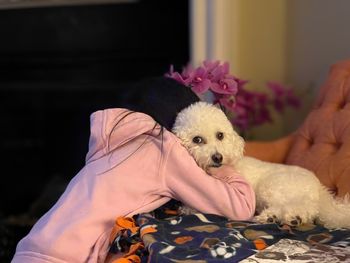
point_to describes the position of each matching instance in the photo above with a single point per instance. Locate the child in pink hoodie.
(134, 165)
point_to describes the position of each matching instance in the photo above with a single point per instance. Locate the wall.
(249, 34)
(60, 64)
(290, 41)
(318, 36)
(262, 40)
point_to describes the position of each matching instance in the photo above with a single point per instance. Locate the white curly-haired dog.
(286, 194)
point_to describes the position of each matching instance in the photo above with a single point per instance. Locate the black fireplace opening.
(57, 66)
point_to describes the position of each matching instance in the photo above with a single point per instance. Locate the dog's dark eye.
(198, 140)
(220, 136)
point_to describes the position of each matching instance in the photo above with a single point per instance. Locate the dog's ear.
(238, 146)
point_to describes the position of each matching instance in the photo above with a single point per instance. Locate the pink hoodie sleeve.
(225, 193)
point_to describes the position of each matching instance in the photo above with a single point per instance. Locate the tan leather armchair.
(322, 143)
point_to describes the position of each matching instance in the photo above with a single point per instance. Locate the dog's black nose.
(217, 158)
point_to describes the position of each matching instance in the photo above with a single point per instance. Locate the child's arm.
(224, 193)
(75, 228)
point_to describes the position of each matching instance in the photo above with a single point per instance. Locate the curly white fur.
(284, 193)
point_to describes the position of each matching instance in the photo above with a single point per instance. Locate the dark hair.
(160, 97)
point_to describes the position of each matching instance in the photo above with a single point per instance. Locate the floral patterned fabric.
(168, 237)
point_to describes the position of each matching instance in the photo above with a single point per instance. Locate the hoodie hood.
(113, 128)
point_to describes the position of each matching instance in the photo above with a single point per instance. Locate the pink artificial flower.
(187, 72)
(246, 98)
(262, 98)
(241, 111)
(292, 100)
(240, 82)
(225, 86)
(251, 109)
(278, 104)
(201, 86)
(277, 89)
(219, 72)
(242, 123)
(262, 116)
(248, 108)
(222, 82)
(199, 81)
(176, 76)
(210, 65)
(227, 101)
(283, 97)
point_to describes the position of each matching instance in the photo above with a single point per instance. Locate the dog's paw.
(268, 216)
(293, 221)
(297, 220)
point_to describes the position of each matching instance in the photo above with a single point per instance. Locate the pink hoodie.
(125, 182)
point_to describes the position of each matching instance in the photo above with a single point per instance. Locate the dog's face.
(208, 135)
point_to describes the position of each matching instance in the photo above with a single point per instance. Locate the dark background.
(57, 66)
